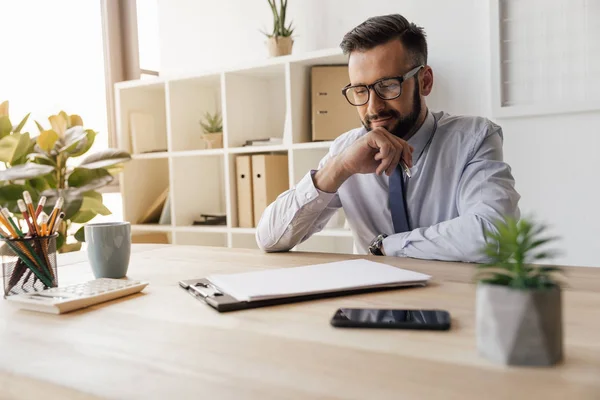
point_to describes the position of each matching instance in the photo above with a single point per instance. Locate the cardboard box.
(270, 178)
(332, 115)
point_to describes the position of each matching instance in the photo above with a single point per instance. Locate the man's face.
(399, 115)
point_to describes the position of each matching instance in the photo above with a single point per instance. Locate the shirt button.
(308, 196)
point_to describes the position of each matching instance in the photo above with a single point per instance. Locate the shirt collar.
(421, 137)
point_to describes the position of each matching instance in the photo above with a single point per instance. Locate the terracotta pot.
(280, 45)
(519, 327)
(213, 140)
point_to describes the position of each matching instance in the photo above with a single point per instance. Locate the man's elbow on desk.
(266, 244)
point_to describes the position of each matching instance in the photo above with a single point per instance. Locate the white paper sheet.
(320, 278)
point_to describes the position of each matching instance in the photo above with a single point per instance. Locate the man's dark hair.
(382, 29)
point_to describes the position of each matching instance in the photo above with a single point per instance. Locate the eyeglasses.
(386, 89)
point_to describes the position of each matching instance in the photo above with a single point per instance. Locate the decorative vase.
(519, 327)
(280, 45)
(213, 140)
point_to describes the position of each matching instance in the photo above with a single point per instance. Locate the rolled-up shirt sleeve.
(297, 214)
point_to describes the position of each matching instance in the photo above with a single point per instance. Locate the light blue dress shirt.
(459, 186)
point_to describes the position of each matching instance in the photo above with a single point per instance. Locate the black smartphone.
(391, 318)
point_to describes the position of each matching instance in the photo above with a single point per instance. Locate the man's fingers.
(394, 163)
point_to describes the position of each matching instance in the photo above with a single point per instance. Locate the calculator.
(61, 300)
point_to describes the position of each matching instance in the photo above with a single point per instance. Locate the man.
(411, 182)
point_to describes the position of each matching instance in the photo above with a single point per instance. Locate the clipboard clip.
(201, 288)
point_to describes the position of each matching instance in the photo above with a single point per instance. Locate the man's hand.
(376, 152)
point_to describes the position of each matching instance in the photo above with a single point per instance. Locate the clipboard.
(204, 291)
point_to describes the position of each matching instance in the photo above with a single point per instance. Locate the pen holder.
(28, 264)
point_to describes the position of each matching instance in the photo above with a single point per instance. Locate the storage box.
(245, 203)
(332, 115)
(270, 179)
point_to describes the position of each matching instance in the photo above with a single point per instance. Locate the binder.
(245, 203)
(288, 285)
(270, 178)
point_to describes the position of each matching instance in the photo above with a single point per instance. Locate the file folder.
(245, 202)
(270, 178)
(229, 292)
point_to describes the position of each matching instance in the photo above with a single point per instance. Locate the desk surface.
(164, 344)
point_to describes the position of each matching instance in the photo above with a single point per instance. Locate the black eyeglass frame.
(401, 79)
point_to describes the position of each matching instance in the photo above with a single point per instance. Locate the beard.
(404, 125)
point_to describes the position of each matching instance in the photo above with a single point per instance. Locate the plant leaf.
(92, 201)
(89, 179)
(59, 124)
(39, 126)
(5, 126)
(75, 120)
(42, 159)
(9, 194)
(14, 146)
(25, 171)
(40, 184)
(60, 241)
(83, 145)
(4, 109)
(47, 140)
(105, 158)
(83, 217)
(73, 200)
(80, 234)
(18, 128)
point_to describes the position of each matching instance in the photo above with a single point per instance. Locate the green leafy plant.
(279, 27)
(44, 166)
(212, 123)
(512, 250)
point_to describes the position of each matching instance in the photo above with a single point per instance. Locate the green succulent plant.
(212, 123)
(43, 165)
(279, 27)
(514, 250)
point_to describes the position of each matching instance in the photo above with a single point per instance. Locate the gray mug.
(108, 248)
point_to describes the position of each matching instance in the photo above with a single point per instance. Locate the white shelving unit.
(268, 99)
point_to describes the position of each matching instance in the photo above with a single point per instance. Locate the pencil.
(59, 220)
(29, 204)
(23, 209)
(55, 212)
(40, 206)
(44, 224)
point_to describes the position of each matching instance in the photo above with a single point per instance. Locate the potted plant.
(44, 165)
(212, 125)
(279, 41)
(519, 311)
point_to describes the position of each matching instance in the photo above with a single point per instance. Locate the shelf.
(245, 231)
(151, 228)
(189, 100)
(312, 145)
(257, 149)
(149, 156)
(201, 229)
(190, 153)
(257, 99)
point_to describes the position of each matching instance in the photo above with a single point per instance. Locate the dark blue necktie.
(397, 201)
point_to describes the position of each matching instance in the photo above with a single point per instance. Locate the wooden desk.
(164, 344)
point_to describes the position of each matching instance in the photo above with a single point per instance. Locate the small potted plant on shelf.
(519, 310)
(212, 125)
(279, 41)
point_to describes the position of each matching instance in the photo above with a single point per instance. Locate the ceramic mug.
(108, 248)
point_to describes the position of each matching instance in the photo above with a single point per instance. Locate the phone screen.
(391, 318)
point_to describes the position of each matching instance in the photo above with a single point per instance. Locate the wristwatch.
(375, 246)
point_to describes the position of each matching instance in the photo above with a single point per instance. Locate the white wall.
(561, 187)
